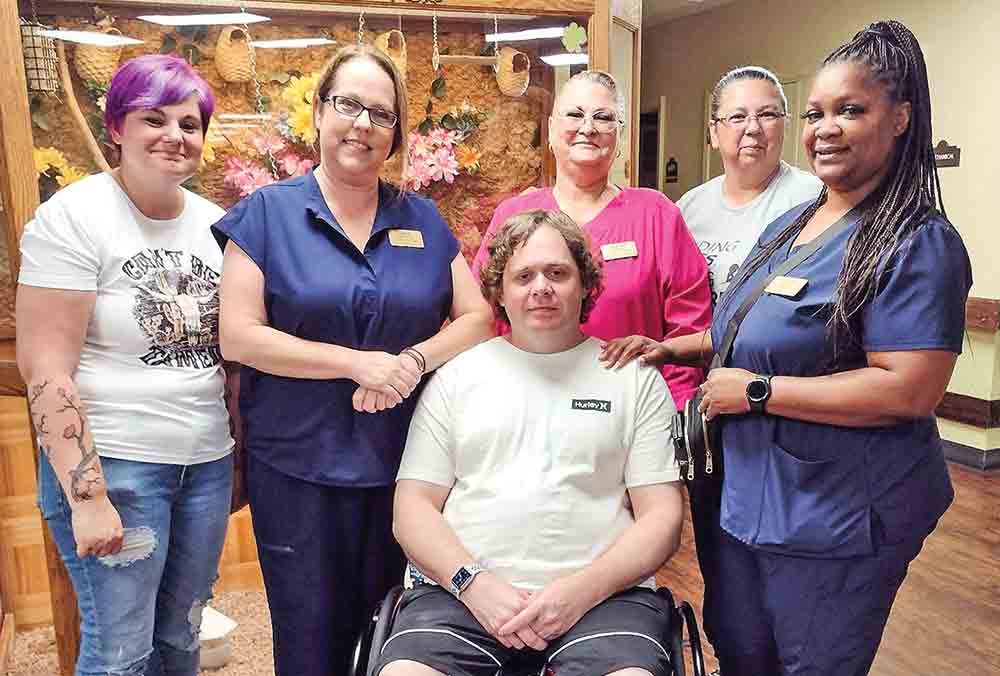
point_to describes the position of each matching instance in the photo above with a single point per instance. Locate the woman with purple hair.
(117, 340)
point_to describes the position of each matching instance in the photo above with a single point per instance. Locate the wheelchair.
(369, 645)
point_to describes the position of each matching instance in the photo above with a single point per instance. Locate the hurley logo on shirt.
(592, 405)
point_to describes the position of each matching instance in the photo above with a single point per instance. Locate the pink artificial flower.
(442, 137)
(264, 142)
(446, 165)
(245, 176)
(293, 164)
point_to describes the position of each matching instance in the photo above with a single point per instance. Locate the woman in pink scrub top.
(655, 278)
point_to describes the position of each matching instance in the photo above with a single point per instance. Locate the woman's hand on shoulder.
(620, 351)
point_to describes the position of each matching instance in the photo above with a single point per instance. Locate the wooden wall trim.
(535, 7)
(973, 411)
(983, 314)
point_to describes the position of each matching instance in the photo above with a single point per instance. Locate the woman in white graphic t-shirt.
(118, 342)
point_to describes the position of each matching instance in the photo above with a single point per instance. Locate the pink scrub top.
(660, 292)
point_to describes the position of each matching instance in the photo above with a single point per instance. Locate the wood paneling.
(6, 640)
(25, 572)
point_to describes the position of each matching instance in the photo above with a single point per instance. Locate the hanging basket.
(233, 54)
(513, 71)
(394, 45)
(95, 63)
(40, 62)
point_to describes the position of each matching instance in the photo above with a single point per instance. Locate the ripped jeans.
(140, 609)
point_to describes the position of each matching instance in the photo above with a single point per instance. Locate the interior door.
(626, 41)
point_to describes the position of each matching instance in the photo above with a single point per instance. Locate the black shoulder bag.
(697, 441)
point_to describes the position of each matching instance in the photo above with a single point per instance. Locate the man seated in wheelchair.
(538, 491)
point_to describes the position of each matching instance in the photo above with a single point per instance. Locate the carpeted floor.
(35, 650)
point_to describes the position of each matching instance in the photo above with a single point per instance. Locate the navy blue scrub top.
(318, 286)
(817, 490)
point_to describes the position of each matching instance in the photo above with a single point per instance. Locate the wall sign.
(947, 155)
(670, 174)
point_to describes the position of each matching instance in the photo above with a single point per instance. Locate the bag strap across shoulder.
(800, 256)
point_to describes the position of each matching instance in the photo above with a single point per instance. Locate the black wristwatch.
(463, 578)
(758, 392)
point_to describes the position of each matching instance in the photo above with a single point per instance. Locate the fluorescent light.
(565, 59)
(243, 116)
(292, 43)
(91, 38)
(531, 34)
(203, 19)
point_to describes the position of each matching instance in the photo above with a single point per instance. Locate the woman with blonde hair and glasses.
(334, 291)
(655, 280)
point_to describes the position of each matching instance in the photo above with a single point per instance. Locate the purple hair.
(152, 81)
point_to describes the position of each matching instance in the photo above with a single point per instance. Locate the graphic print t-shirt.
(726, 234)
(149, 375)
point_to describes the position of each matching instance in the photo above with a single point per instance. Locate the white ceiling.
(658, 11)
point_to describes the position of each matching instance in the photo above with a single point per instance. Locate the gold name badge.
(613, 252)
(790, 287)
(408, 238)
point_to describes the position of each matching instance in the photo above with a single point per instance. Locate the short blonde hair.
(355, 51)
(512, 236)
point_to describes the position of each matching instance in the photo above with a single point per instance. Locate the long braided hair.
(908, 193)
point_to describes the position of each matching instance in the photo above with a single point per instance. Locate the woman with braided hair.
(834, 469)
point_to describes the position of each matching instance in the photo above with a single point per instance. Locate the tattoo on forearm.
(86, 478)
(39, 419)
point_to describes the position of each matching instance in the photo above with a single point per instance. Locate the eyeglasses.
(602, 120)
(768, 118)
(349, 107)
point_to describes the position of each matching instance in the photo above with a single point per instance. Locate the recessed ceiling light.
(530, 34)
(292, 43)
(203, 19)
(91, 38)
(565, 59)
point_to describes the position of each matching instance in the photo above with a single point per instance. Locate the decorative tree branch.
(74, 109)
(86, 477)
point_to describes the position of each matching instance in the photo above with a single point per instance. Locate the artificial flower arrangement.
(274, 156)
(438, 149)
(52, 164)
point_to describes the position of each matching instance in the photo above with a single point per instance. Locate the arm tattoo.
(86, 477)
(39, 419)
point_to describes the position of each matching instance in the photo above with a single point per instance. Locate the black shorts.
(437, 630)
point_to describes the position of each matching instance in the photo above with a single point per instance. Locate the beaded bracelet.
(416, 356)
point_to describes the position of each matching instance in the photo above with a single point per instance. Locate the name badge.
(413, 239)
(613, 252)
(789, 287)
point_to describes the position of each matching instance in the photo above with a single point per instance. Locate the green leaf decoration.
(574, 37)
(439, 88)
(199, 35)
(191, 53)
(279, 77)
(430, 106)
(169, 44)
(41, 121)
(449, 121)
(426, 125)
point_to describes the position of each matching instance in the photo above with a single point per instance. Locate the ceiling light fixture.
(203, 19)
(530, 34)
(565, 59)
(91, 38)
(292, 43)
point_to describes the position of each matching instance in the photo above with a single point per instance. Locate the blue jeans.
(141, 609)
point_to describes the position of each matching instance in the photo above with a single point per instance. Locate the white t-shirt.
(538, 450)
(150, 376)
(726, 234)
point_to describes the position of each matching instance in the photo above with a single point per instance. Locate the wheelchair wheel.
(694, 638)
(382, 622)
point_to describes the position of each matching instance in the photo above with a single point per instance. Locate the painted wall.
(683, 58)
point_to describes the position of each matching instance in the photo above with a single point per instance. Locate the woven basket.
(97, 63)
(40, 60)
(513, 71)
(232, 55)
(394, 45)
